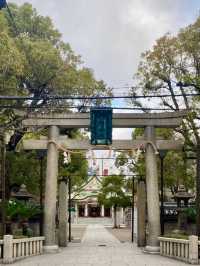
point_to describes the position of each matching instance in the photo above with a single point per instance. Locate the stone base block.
(8, 261)
(152, 250)
(76, 240)
(51, 249)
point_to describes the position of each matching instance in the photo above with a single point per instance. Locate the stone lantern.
(182, 198)
(22, 194)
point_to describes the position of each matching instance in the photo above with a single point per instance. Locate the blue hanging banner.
(101, 125)
(3, 4)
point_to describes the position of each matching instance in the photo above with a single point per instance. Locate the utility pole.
(198, 189)
(41, 194)
(162, 198)
(40, 155)
(3, 183)
(162, 154)
(41, 191)
(70, 206)
(102, 167)
(132, 217)
(197, 201)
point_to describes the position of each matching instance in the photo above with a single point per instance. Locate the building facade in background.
(86, 202)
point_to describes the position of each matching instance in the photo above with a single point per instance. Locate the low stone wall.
(14, 249)
(181, 249)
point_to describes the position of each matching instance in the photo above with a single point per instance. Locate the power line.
(106, 158)
(122, 175)
(88, 107)
(118, 87)
(54, 97)
(97, 97)
(81, 97)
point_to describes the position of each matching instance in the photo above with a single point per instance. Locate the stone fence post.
(193, 249)
(7, 249)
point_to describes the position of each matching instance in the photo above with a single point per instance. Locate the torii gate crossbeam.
(120, 120)
(74, 144)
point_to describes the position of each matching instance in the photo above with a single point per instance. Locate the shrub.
(191, 214)
(21, 210)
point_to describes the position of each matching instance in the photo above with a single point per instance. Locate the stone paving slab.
(78, 231)
(96, 235)
(89, 253)
(95, 220)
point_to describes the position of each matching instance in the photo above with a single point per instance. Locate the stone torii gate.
(82, 120)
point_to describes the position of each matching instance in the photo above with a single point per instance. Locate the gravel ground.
(122, 234)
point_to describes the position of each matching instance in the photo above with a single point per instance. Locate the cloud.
(122, 133)
(111, 34)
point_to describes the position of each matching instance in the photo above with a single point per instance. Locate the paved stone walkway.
(99, 248)
(96, 220)
(97, 235)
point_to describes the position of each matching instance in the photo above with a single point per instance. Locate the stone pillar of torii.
(82, 120)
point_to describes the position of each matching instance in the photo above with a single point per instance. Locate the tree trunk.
(198, 189)
(115, 216)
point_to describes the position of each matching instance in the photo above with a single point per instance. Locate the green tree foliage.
(23, 168)
(11, 68)
(126, 162)
(30, 22)
(11, 60)
(77, 170)
(113, 193)
(164, 133)
(173, 66)
(177, 170)
(21, 210)
(126, 159)
(35, 60)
